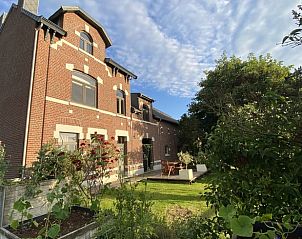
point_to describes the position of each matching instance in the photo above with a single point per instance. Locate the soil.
(79, 217)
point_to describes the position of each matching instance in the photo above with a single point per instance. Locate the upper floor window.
(120, 102)
(83, 89)
(146, 113)
(86, 42)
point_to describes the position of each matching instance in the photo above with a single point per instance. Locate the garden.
(244, 124)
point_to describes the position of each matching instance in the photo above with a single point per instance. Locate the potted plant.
(185, 158)
(200, 161)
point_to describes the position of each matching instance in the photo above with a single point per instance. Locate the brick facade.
(56, 57)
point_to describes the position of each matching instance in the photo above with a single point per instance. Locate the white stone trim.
(100, 81)
(69, 44)
(68, 129)
(86, 69)
(77, 33)
(95, 45)
(121, 86)
(83, 106)
(126, 93)
(91, 131)
(93, 57)
(145, 122)
(124, 133)
(69, 67)
(62, 102)
(87, 28)
(107, 112)
(114, 87)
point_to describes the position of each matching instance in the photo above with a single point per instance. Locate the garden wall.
(9, 194)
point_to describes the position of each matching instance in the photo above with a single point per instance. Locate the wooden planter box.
(85, 232)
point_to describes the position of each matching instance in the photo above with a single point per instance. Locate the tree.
(233, 82)
(294, 38)
(256, 152)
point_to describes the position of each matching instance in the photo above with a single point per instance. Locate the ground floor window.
(69, 141)
(167, 150)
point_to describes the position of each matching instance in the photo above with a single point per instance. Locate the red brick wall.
(16, 44)
(53, 80)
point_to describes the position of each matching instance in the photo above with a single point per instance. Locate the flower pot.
(86, 231)
(186, 174)
(201, 168)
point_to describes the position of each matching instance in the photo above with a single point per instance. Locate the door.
(122, 146)
(147, 155)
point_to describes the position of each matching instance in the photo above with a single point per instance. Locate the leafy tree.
(234, 82)
(256, 152)
(294, 38)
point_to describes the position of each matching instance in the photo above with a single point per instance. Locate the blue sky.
(170, 43)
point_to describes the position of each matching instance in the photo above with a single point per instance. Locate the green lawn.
(167, 195)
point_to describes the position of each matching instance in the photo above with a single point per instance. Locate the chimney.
(2, 19)
(29, 5)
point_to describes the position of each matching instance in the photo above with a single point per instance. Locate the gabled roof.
(121, 68)
(140, 95)
(45, 21)
(84, 15)
(157, 114)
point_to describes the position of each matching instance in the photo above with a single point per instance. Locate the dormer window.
(146, 113)
(86, 42)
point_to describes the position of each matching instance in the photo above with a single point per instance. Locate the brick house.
(57, 82)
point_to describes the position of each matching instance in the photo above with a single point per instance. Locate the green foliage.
(234, 82)
(294, 37)
(3, 163)
(78, 179)
(185, 158)
(132, 218)
(199, 227)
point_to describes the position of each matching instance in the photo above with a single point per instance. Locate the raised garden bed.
(79, 225)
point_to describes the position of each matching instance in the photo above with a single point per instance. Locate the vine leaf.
(53, 232)
(227, 212)
(242, 226)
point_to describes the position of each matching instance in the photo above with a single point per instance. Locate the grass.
(165, 195)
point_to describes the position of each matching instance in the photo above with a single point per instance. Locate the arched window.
(120, 102)
(83, 89)
(86, 42)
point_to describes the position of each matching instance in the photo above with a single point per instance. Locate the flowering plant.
(185, 158)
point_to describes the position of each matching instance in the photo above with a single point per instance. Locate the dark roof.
(157, 114)
(121, 68)
(86, 17)
(140, 95)
(45, 21)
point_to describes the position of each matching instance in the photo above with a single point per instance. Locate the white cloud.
(169, 44)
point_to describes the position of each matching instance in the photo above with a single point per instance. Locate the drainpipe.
(30, 95)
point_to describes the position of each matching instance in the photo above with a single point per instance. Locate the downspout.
(30, 96)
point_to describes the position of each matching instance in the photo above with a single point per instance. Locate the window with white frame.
(120, 102)
(86, 42)
(83, 89)
(69, 141)
(167, 150)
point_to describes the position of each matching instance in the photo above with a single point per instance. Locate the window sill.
(167, 155)
(83, 106)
